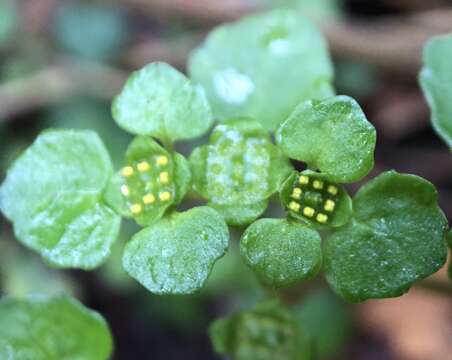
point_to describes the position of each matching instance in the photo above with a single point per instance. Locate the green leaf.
(52, 194)
(281, 253)
(396, 237)
(449, 241)
(151, 181)
(310, 198)
(326, 321)
(241, 214)
(160, 101)
(332, 136)
(240, 64)
(239, 170)
(266, 332)
(436, 82)
(176, 254)
(52, 328)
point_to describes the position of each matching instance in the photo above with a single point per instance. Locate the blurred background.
(61, 62)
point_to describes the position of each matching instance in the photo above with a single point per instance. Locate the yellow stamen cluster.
(164, 177)
(308, 211)
(143, 166)
(148, 199)
(127, 171)
(329, 205)
(306, 200)
(136, 208)
(332, 189)
(162, 160)
(139, 204)
(165, 196)
(296, 193)
(294, 206)
(303, 180)
(317, 184)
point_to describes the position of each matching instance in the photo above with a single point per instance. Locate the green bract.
(262, 66)
(52, 194)
(280, 252)
(332, 136)
(160, 101)
(436, 82)
(176, 254)
(396, 237)
(310, 198)
(55, 328)
(239, 170)
(267, 332)
(151, 181)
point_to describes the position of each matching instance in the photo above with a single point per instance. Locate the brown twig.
(57, 82)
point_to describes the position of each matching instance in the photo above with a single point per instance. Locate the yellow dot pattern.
(313, 198)
(308, 211)
(296, 193)
(148, 199)
(147, 183)
(294, 206)
(127, 171)
(329, 205)
(136, 209)
(164, 196)
(143, 166)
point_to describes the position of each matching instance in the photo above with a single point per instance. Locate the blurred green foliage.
(90, 31)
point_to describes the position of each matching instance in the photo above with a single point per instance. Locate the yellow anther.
(164, 178)
(294, 206)
(162, 160)
(308, 211)
(322, 218)
(164, 196)
(296, 193)
(136, 208)
(303, 180)
(127, 171)
(143, 166)
(125, 190)
(148, 199)
(332, 190)
(317, 184)
(329, 205)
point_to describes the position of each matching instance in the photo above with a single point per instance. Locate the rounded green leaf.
(332, 136)
(151, 181)
(52, 328)
(280, 252)
(160, 101)
(310, 198)
(240, 64)
(52, 194)
(396, 237)
(266, 332)
(239, 170)
(176, 254)
(436, 82)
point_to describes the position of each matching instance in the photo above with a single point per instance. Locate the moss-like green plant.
(265, 77)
